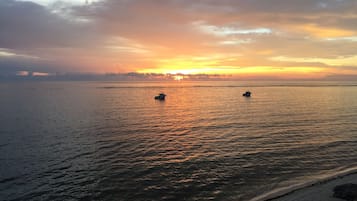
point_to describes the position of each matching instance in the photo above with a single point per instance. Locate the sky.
(255, 38)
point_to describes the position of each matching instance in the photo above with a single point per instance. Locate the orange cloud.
(325, 32)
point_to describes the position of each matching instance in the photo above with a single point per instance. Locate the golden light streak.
(325, 32)
(244, 71)
(340, 61)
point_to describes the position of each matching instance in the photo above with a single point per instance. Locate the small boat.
(160, 96)
(247, 94)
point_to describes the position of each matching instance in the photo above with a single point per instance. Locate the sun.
(178, 77)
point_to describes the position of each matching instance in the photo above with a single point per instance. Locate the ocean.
(112, 141)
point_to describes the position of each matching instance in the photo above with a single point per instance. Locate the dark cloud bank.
(40, 76)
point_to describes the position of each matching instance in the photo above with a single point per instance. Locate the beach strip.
(319, 190)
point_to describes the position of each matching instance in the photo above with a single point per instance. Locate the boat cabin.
(160, 96)
(247, 94)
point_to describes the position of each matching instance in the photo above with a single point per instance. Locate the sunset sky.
(285, 38)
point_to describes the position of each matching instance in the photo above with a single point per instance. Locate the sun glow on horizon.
(178, 77)
(259, 71)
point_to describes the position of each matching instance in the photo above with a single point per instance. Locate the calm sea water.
(113, 141)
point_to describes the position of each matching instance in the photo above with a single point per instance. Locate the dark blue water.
(113, 141)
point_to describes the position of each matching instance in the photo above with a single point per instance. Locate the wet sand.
(319, 191)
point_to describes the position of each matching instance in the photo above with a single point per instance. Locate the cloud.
(169, 35)
(26, 25)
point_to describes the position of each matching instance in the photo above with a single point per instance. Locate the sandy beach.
(314, 191)
(318, 192)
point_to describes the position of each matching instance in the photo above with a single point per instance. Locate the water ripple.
(113, 141)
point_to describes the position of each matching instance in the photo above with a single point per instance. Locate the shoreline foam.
(285, 192)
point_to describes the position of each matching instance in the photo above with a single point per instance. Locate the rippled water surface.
(113, 141)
